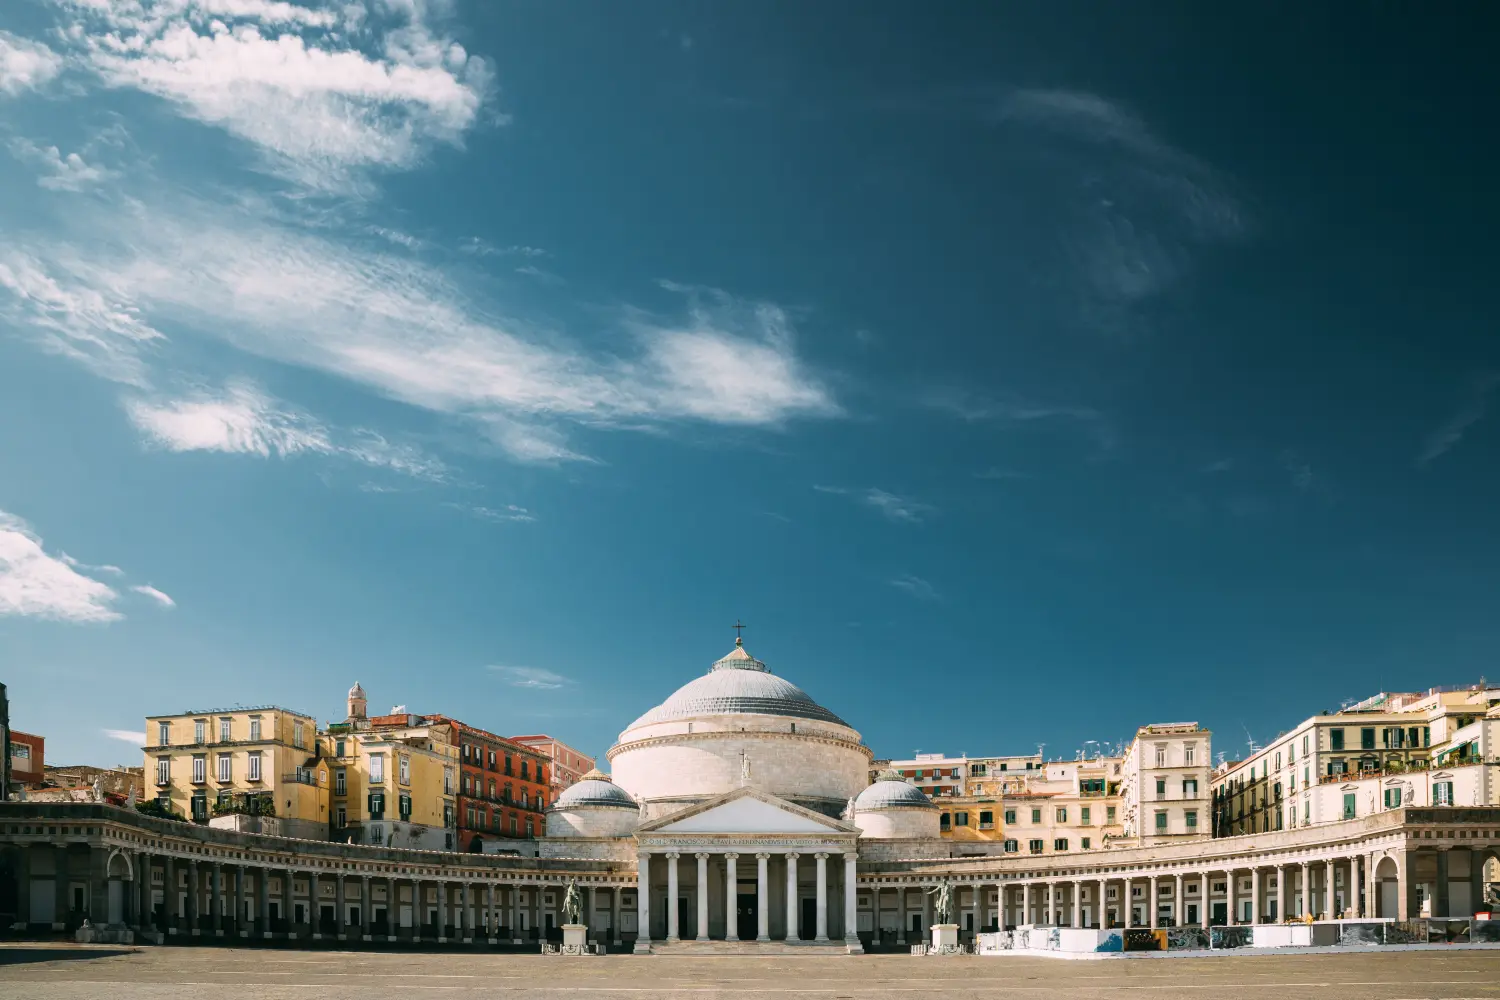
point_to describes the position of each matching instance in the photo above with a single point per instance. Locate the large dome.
(738, 684)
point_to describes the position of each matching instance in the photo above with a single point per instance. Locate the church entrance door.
(748, 911)
(809, 929)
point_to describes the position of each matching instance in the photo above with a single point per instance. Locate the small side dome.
(890, 791)
(594, 790)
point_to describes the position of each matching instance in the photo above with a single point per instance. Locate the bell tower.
(357, 703)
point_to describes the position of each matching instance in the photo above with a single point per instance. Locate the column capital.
(822, 856)
(673, 855)
(792, 855)
(643, 856)
(851, 855)
(732, 856)
(700, 855)
(762, 856)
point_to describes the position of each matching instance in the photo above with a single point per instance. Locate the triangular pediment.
(747, 810)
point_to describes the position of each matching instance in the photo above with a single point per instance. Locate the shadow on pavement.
(56, 953)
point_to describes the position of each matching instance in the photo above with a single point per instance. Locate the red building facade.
(503, 789)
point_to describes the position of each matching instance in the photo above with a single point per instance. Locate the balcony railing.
(299, 778)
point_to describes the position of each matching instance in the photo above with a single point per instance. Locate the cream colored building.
(1164, 787)
(224, 761)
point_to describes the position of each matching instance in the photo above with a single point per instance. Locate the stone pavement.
(62, 972)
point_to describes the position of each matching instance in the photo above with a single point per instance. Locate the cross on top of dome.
(739, 657)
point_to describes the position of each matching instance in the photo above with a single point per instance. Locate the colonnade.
(823, 863)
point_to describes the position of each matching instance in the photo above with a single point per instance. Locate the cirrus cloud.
(34, 583)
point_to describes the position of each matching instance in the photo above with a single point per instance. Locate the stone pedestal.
(944, 940)
(575, 939)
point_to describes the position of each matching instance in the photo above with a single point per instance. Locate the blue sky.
(1019, 373)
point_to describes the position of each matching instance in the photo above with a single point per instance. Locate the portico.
(746, 866)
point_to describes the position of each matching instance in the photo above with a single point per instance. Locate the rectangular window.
(377, 768)
(1161, 756)
(1306, 811)
(1161, 822)
(200, 807)
(1392, 798)
(507, 766)
(1304, 745)
(1190, 788)
(1427, 736)
(404, 804)
(341, 782)
(961, 819)
(297, 734)
(1085, 843)
(447, 781)
(163, 770)
(225, 730)
(986, 820)
(225, 766)
(200, 731)
(405, 773)
(1060, 844)
(1036, 846)
(343, 816)
(1192, 819)
(1083, 815)
(1367, 738)
(1278, 760)
(1062, 814)
(524, 766)
(1442, 793)
(254, 730)
(1349, 805)
(945, 821)
(1010, 816)
(1109, 814)
(200, 768)
(1335, 739)
(1036, 815)
(1161, 788)
(254, 766)
(163, 734)
(339, 748)
(492, 760)
(377, 805)
(1190, 755)
(1011, 846)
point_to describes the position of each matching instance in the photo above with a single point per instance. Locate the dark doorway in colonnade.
(809, 928)
(748, 911)
(476, 846)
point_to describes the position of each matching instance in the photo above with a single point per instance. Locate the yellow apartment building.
(393, 782)
(263, 761)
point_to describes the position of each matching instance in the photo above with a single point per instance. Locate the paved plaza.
(43, 972)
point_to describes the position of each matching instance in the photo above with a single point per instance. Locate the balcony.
(299, 778)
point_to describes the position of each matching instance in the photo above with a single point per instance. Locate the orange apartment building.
(568, 765)
(504, 787)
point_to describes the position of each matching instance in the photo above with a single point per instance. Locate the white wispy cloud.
(324, 91)
(893, 507)
(1469, 413)
(1132, 204)
(35, 583)
(536, 273)
(508, 512)
(156, 595)
(58, 172)
(393, 324)
(532, 677)
(25, 64)
(87, 568)
(915, 586)
(127, 735)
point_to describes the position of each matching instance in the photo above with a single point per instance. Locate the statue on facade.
(572, 903)
(849, 809)
(943, 905)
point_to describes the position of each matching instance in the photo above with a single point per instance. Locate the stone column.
(1205, 903)
(217, 905)
(822, 891)
(702, 895)
(762, 897)
(239, 900)
(643, 899)
(614, 915)
(1077, 904)
(1153, 910)
(1255, 896)
(263, 902)
(1330, 893)
(195, 896)
(515, 907)
(168, 895)
(926, 912)
(851, 900)
(1440, 905)
(900, 914)
(589, 906)
(491, 917)
(672, 897)
(536, 909)
(1230, 888)
(1101, 905)
(791, 897)
(1179, 902)
(1129, 907)
(314, 906)
(418, 917)
(731, 897)
(465, 918)
(340, 907)
(1026, 903)
(1281, 893)
(392, 909)
(978, 907)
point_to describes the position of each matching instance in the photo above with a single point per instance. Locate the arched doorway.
(119, 877)
(476, 846)
(1387, 888)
